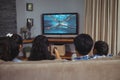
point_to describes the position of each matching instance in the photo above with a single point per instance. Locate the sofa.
(98, 69)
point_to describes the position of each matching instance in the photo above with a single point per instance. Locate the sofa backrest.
(107, 69)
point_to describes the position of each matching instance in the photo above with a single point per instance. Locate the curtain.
(101, 19)
(118, 29)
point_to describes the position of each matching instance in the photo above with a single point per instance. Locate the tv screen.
(60, 23)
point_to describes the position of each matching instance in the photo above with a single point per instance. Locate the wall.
(7, 17)
(47, 6)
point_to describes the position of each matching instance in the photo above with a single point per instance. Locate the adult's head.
(100, 48)
(9, 49)
(83, 43)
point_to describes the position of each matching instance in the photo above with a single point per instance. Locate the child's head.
(17, 38)
(9, 49)
(39, 50)
(41, 41)
(83, 43)
(100, 48)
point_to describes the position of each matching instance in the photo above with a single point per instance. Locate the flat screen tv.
(60, 24)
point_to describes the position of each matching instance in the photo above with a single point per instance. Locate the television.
(60, 24)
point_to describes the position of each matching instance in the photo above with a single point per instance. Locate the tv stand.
(60, 40)
(60, 37)
(56, 41)
(53, 40)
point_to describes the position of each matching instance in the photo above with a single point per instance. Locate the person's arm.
(57, 54)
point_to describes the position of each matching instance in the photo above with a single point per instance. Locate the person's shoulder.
(16, 60)
(86, 57)
(97, 56)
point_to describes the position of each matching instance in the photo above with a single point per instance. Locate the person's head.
(39, 50)
(40, 41)
(9, 49)
(17, 38)
(100, 48)
(83, 44)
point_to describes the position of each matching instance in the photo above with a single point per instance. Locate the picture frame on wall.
(29, 6)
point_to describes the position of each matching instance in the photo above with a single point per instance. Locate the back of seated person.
(100, 49)
(83, 45)
(9, 49)
(19, 41)
(39, 50)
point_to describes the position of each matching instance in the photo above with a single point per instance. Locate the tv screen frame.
(65, 22)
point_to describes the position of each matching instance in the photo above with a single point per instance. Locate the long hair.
(39, 50)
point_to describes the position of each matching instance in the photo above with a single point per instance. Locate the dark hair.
(101, 48)
(9, 49)
(39, 50)
(83, 43)
(17, 38)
